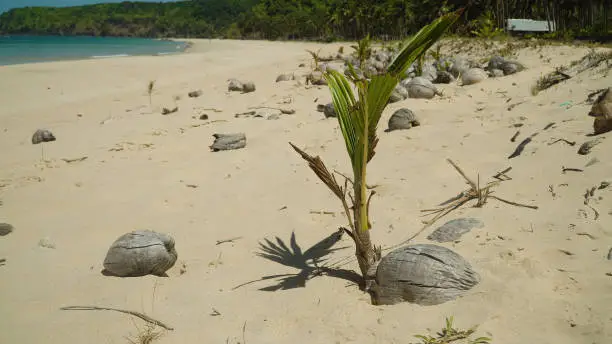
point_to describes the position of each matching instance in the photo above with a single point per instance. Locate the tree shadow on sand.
(311, 262)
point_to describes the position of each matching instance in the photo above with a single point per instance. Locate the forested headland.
(304, 19)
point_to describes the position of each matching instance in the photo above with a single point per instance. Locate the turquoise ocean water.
(28, 49)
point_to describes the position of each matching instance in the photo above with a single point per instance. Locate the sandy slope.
(531, 292)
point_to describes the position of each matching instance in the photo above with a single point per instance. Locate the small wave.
(107, 56)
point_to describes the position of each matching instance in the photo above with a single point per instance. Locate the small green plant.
(450, 334)
(316, 58)
(436, 53)
(485, 27)
(150, 89)
(341, 50)
(363, 49)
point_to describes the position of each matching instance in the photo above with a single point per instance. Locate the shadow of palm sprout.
(311, 262)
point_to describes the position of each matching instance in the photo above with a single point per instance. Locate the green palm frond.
(345, 105)
(422, 41)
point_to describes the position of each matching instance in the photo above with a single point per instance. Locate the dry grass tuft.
(146, 335)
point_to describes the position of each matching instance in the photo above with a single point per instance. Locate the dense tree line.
(300, 19)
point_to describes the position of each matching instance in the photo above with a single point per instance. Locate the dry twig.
(475, 192)
(136, 314)
(232, 240)
(569, 169)
(502, 176)
(571, 143)
(74, 160)
(284, 111)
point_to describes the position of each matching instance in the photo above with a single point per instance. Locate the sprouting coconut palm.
(150, 88)
(358, 116)
(363, 50)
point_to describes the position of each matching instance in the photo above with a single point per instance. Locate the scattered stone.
(203, 117)
(454, 229)
(602, 112)
(378, 65)
(248, 87)
(398, 94)
(473, 76)
(234, 85)
(6, 229)
(382, 56)
(603, 185)
(403, 119)
(194, 94)
(316, 78)
(421, 88)
(496, 62)
(429, 72)
(422, 274)
(285, 77)
(228, 142)
(460, 66)
(511, 67)
(358, 72)
(443, 64)
(444, 77)
(140, 253)
(166, 111)
(496, 73)
(329, 110)
(586, 147)
(42, 135)
(273, 116)
(46, 243)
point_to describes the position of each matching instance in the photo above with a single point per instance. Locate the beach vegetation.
(322, 20)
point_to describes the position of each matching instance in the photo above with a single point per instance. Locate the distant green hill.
(299, 19)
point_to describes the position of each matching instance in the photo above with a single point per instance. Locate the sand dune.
(545, 276)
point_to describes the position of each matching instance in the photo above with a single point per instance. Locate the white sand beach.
(545, 275)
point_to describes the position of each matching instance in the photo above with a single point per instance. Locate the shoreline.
(185, 45)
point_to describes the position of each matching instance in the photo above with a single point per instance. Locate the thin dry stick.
(219, 242)
(282, 110)
(476, 192)
(136, 314)
(322, 212)
(75, 159)
(501, 174)
(207, 123)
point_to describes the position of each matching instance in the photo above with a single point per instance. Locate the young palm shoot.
(150, 88)
(358, 117)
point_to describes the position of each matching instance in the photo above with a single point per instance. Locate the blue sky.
(6, 5)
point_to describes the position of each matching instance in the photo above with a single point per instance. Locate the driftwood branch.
(136, 314)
